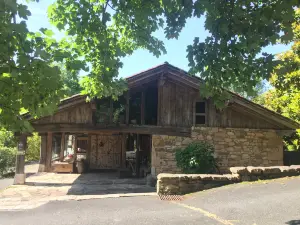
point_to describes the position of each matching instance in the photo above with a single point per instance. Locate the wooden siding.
(177, 108)
(236, 117)
(81, 113)
(175, 105)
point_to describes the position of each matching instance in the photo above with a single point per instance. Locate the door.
(105, 151)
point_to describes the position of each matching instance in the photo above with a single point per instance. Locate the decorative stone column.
(20, 160)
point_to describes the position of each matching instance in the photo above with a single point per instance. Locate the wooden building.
(162, 110)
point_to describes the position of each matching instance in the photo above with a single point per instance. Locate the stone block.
(296, 167)
(206, 177)
(239, 170)
(254, 170)
(270, 170)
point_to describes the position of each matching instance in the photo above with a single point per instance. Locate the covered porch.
(66, 152)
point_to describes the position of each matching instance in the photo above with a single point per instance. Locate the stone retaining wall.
(179, 184)
(233, 147)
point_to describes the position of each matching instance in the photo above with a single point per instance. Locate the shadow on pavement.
(100, 183)
(107, 183)
(293, 222)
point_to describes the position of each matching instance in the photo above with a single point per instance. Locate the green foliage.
(197, 157)
(7, 138)
(27, 78)
(105, 31)
(101, 33)
(7, 160)
(70, 81)
(33, 148)
(285, 97)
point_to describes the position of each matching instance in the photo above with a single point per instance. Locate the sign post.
(20, 160)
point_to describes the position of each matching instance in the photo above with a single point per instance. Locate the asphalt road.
(275, 202)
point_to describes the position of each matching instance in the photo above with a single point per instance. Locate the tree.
(27, 78)
(285, 97)
(70, 82)
(101, 32)
(106, 30)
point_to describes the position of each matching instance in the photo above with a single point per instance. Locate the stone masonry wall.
(180, 184)
(233, 147)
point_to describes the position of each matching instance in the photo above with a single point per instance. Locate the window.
(200, 113)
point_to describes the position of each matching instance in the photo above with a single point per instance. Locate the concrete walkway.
(41, 188)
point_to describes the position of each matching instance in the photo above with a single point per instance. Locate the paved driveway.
(272, 202)
(30, 168)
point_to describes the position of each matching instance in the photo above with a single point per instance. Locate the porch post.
(20, 160)
(43, 153)
(137, 156)
(49, 152)
(123, 154)
(62, 147)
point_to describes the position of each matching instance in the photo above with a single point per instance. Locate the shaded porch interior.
(128, 154)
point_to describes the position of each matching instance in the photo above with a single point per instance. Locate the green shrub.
(197, 157)
(33, 148)
(7, 160)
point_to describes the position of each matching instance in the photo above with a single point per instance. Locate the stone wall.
(233, 147)
(179, 184)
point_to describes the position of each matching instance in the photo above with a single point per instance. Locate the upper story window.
(200, 113)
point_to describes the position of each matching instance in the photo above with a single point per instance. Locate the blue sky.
(142, 59)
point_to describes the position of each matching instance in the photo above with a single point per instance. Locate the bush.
(7, 160)
(33, 148)
(197, 157)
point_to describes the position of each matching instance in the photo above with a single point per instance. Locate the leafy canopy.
(27, 78)
(285, 97)
(104, 31)
(100, 32)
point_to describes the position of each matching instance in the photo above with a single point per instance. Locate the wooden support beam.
(94, 111)
(137, 156)
(127, 107)
(146, 129)
(75, 147)
(159, 101)
(89, 149)
(49, 152)
(142, 108)
(123, 153)
(43, 153)
(62, 147)
(20, 160)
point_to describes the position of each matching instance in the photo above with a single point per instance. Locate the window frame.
(200, 114)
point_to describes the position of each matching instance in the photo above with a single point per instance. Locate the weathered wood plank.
(159, 103)
(172, 104)
(62, 147)
(123, 152)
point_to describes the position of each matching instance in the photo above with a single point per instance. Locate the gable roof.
(193, 81)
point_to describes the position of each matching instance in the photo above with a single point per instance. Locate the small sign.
(21, 146)
(21, 153)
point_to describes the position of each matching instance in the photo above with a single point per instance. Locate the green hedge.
(7, 160)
